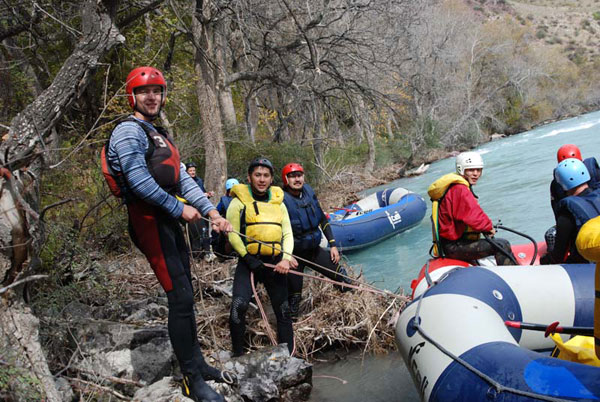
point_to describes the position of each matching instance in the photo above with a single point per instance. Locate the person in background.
(142, 164)
(572, 151)
(308, 219)
(219, 241)
(458, 220)
(199, 232)
(581, 204)
(258, 212)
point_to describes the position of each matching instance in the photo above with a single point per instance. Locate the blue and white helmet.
(230, 183)
(571, 173)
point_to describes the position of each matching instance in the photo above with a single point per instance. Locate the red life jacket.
(162, 159)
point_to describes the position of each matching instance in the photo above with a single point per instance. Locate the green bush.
(17, 384)
(596, 15)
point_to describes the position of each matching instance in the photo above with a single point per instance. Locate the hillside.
(572, 25)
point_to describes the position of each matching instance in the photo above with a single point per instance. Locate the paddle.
(551, 329)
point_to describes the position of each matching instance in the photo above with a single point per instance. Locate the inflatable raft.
(525, 254)
(377, 217)
(457, 347)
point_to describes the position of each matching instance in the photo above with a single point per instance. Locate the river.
(514, 188)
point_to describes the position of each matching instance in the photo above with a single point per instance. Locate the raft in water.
(377, 217)
(462, 350)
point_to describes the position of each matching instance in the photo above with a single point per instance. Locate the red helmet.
(290, 168)
(568, 151)
(142, 76)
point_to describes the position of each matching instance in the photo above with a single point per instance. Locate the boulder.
(269, 375)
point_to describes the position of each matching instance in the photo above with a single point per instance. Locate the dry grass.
(329, 319)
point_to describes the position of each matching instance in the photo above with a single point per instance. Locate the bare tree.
(23, 158)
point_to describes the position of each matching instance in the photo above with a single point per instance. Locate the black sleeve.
(326, 228)
(565, 230)
(556, 194)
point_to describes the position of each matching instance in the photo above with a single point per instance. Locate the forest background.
(349, 88)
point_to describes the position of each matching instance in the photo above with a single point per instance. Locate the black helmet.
(190, 165)
(261, 162)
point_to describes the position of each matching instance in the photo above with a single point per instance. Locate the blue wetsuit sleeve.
(192, 193)
(127, 151)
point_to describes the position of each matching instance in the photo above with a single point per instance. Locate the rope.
(268, 328)
(499, 388)
(195, 267)
(363, 286)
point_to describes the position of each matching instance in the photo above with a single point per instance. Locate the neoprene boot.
(194, 386)
(294, 304)
(344, 279)
(210, 373)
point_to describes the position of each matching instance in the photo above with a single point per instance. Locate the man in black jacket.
(306, 217)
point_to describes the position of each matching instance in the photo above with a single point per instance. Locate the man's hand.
(210, 194)
(218, 223)
(493, 232)
(283, 267)
(335, 255)
(190, 214)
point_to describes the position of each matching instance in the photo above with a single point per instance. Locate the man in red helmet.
(307, 219)
(572, 151)
(143, 161)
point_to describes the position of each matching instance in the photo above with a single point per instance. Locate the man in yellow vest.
(258, 212)
(459, 221)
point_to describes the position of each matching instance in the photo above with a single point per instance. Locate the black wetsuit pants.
(318, 257)
(469, 250)
(276, 286)
(161, 240)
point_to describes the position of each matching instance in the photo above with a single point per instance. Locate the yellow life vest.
(588, 245)
(437, 190)
(262, 220)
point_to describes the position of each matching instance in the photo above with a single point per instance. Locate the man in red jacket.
(461, 221)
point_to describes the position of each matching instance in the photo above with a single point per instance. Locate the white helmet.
(468, 160)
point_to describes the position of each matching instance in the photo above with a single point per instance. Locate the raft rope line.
(499, 388)
(268, 328)
(362, 287)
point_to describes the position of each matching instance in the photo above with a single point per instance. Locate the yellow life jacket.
(262, 220)
(588, 245)
(437, 190)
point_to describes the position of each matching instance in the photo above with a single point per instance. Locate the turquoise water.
(514, 188)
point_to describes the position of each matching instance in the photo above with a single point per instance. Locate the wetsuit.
(557, 193)
(459, 210)
(275, 283)
(572, 213)
(154, 228)
(306, 217)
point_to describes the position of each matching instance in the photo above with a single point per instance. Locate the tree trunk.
(224, 92)
(251, 115)
(20, 226)
(363, 115)
(208, 100)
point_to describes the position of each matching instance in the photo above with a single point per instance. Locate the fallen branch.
(100, 387)
(21, 281)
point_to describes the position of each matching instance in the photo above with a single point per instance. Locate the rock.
(497, 136)
(64, 389)
(266, 375)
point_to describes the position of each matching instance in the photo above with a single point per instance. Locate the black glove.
(253, 263)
